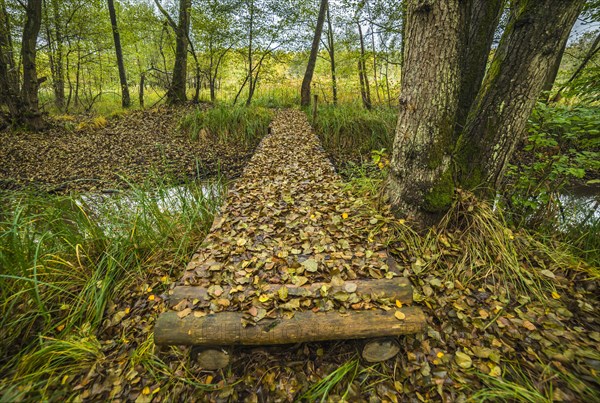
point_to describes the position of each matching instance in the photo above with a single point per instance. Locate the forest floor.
(509, 317)
(88, 154)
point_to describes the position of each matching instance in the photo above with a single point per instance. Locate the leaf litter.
(91, 157)
(481, 334)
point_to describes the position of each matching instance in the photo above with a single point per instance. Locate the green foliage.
(321, 389)
(229, 124)
(562, 151)
(350, 132)
(64, 258)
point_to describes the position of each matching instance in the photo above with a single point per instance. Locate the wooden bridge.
(293, 257)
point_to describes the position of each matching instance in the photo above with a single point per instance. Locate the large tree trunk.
(482, 17)
(312, 59)
(428, 105)
(176, 93)
(125, 100)
(30, 115)
(528, 49)
(331, 51)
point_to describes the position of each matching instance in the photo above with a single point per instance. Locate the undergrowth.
(351, 133)
(228, 124)
(67, 260)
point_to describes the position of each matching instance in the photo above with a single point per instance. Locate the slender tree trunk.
(482, 17)
(428, 106)
(31, 116)
(331, 49)
(528, 49)
(125, 100)
(250, 67)
(177, 90)
(312, 59)
(58, 79)
(595, 48)
(362, 71)
(141, 93)
(552, 73)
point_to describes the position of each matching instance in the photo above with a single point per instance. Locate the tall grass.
(348, 131)
(63, 258)
(228, 124)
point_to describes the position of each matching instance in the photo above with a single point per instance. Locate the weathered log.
(379, 350)
(397, 288)
(225, 328)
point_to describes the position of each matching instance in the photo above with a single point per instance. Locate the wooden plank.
(397, 288)
(225, 328)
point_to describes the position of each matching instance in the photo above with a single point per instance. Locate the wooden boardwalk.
(292, 257)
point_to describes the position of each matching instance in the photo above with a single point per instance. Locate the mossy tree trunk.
(428, 105)
(312, 59)
(481, 20)
(533, 38)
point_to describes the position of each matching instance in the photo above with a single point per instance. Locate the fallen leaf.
(463, 360)
(400, 315)
(310, 265)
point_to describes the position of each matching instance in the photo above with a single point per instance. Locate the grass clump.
(70, 265)
(239, 125)
(348, 132)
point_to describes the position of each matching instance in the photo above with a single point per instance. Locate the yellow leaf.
(146, 391)
(151, 297)
(60, 327)
(401, 221)
(263, 298)
(398, 304)
(345, 215)
(155, 391)
(400, 315)
(440, 354)
(209, 379)
(127, 310)
(555, 295)
(64, 379)
(241, 241)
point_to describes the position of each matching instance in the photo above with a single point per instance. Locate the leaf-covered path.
(288, 220)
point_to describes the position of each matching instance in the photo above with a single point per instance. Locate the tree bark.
(428, 106)
(125, 100)
(312, 59)
(225, 328)
(177, 90)
(482, 17)
(395, 289)
(365, 92)
(30, 115)
(9, 80)
(331, 52)
(528, 49)
(250, 67)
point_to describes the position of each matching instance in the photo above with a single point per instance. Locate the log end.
(212, 358)
(379, 350)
